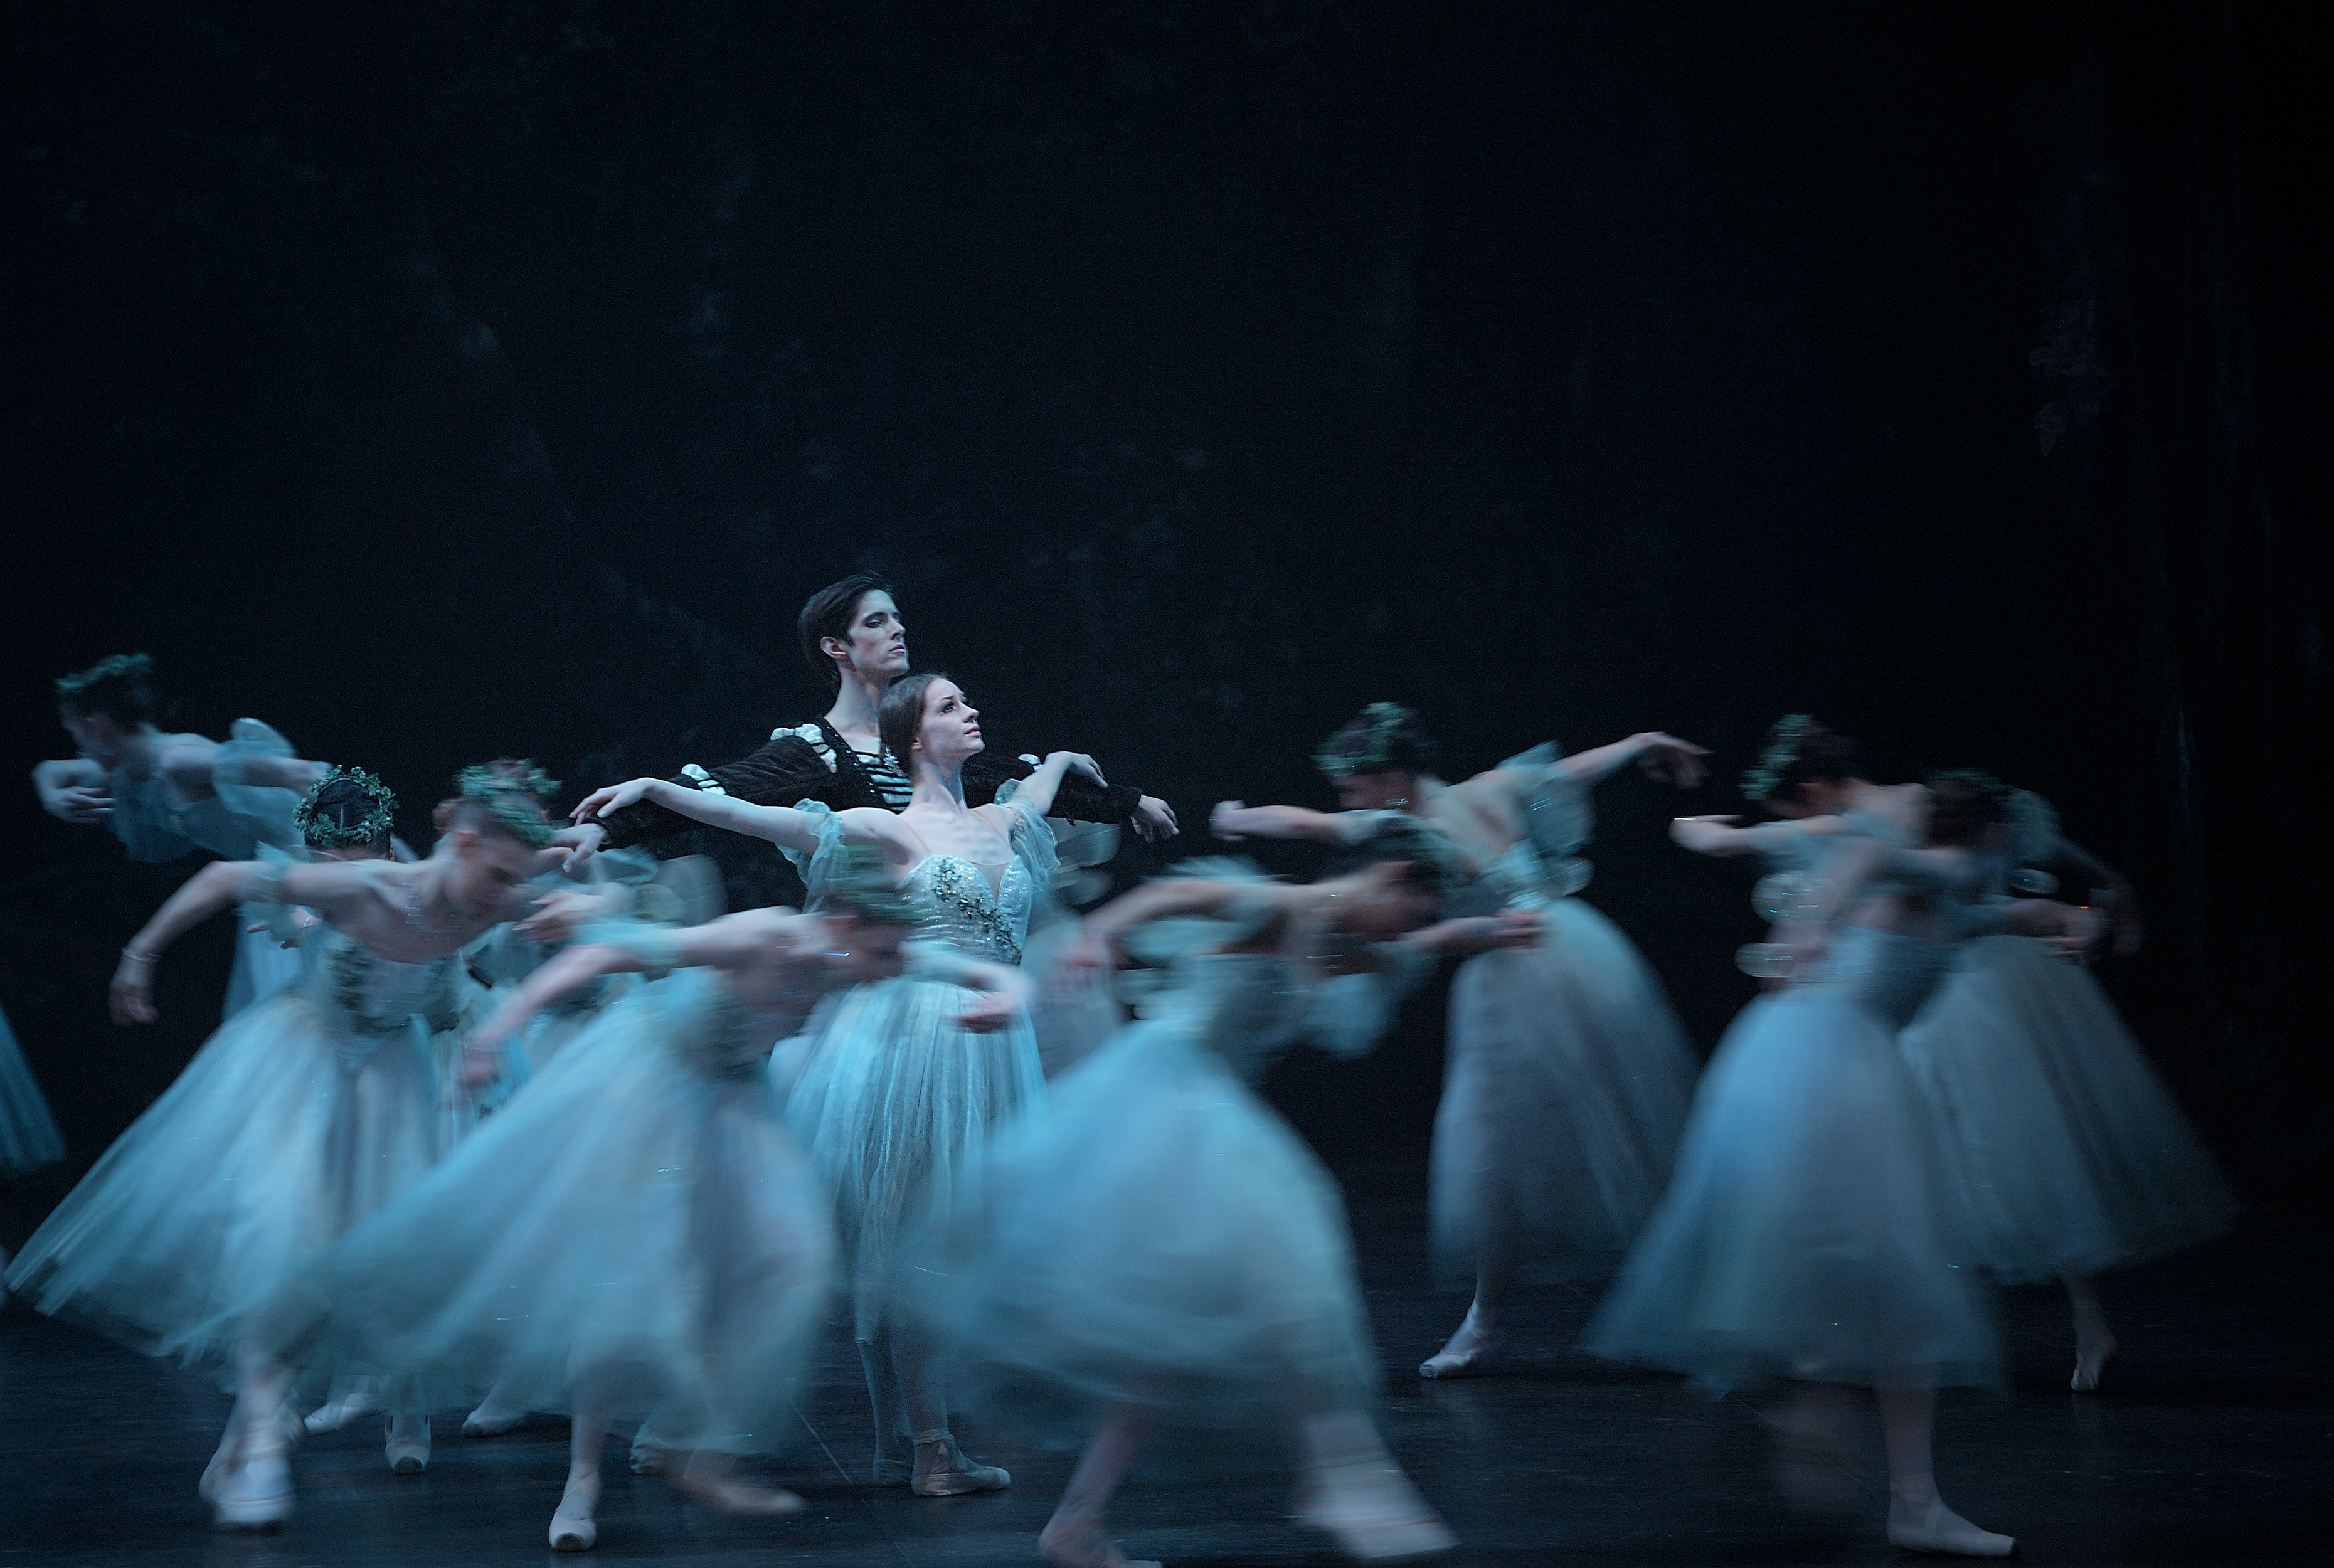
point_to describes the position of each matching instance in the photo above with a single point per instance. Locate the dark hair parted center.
(829, 612)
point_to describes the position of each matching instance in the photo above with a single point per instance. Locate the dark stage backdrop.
(441, 380)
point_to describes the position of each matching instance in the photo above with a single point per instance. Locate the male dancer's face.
(877, 641)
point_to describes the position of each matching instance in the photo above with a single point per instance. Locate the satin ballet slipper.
(1932, 1527)
(335, 1414)
(706, 1478)
(1374, 1512)
(943, 1471)
(573, 1527)
(1082, 1542)
(1481, 1359)
(252, 1490)
(492, 1420)
(407, 1442)
(2092, 1358)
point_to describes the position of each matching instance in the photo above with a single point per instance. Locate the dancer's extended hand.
(1154, 819)
(1671, 760)
(612, 798)
(1703, 835)
(988, 1013)
(79, 803)
(581, 841)
(1229, 821)
(1471, 934)
(1078, 762)
(130, 997)
(557, 915)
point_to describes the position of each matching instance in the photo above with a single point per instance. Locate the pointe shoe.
(649, 1458)
(253, 1490)
(1375, 1515)
(1480, 1360)
(573, 1527)
(492, 1420)
(2091, 1364)
(335, 1414)
(1083, 1544)
(1932, 1527)
(725, 1495)
(943, 1471)
(407, 1444)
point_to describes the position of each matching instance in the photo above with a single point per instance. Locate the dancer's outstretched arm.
(1040, 788)
(1238, 820)
(72, 789)
(782, 825)
(1664, 755)
(1725, 837)
(216, 886)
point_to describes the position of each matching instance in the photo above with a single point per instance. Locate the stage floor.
(2209, 1445)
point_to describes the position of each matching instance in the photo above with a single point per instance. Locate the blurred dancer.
(853, 637)
(1568, 1073)
(167, 795)
(897, 1090)
(2072, 1156)
(29, 1139)
(635, 1235)
(1158, 1243)
(297, 1118)
(1810, 1231)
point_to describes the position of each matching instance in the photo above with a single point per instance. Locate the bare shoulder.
(185, 761)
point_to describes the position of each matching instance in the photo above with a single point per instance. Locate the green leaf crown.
(326, 834)
(1781, 752)
(113, 666)
(1375, 750)
(514, 791)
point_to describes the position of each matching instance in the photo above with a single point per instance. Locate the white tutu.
(635, 1231)
(299, 1117)
(29, 1138)
(2073, 1156)
(1810, 1229)
(1156, 1233)
(1569, 1081)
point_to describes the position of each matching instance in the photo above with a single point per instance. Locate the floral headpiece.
(1781, 753)
(113, 666)
(1375, 752)
(327, 834)
(514, 792)
(858, 880)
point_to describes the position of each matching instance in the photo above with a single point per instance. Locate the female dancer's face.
(96, 735)
(486, 867)
(952, 726)
(1383, 902)
(1376, 792)
(877, 644)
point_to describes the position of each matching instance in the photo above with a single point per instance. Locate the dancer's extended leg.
(1918, 1519)
(575, 1527)
(1356, 1493)
(1075, 1536)
(895, 1443)
(248, 1482)
(2095, 1343)
(941, 1469)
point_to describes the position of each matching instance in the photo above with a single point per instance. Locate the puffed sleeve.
(263, 810)
(815, 864)
(786, 770)
(1031, 836)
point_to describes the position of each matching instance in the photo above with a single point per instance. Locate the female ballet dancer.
(297, 1118)
(2072, 1156)
(1156, 1241)
(167, 795)
(1568, 1073)
(853, 637)
(635, 1234)
(1810, 1231)
(895, 1092)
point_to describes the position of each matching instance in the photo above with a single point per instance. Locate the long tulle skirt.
(890, 1100)
(1810, 1230)
(29, 1139)
(634, 1234)
(262, 966)
(276, 1140)
(2072, 1155)
(1156, 1235)
(1568, 1082)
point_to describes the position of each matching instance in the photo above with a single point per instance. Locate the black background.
(442, 380)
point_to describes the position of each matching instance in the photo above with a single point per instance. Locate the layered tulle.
(1810, 1229)
(282, 1133)
(636, 1233)
(1567, 1086)
(2072, 1155)
(1155, 1234)
(29, 1139)
(891, 1098)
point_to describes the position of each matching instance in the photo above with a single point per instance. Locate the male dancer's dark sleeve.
(1078, 800)
(782, 772)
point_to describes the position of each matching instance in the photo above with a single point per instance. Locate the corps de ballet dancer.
(2073, 1157)
(854, 640)
(167, 794)
(635, 1239)
(895, 1089)
(300, 1116)
(1811, 1230)
(1157, 1244)
(1569, 1073)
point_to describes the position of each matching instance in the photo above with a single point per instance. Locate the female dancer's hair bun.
(119, 685)
(1383, 737)
(828, 613)
(1800, 749)
(347, 807)
(858, 882)
(1396, 836)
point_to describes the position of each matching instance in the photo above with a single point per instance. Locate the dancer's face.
(1381, 901)
(98, 736)
(486, 867)
(1376, 792)
(877, 645)
(951, 727)
(872, 950)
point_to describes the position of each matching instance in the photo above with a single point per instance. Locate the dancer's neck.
(939, 789)
(857, 701)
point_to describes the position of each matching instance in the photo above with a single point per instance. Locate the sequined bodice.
(961, 911)
(364, 998)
